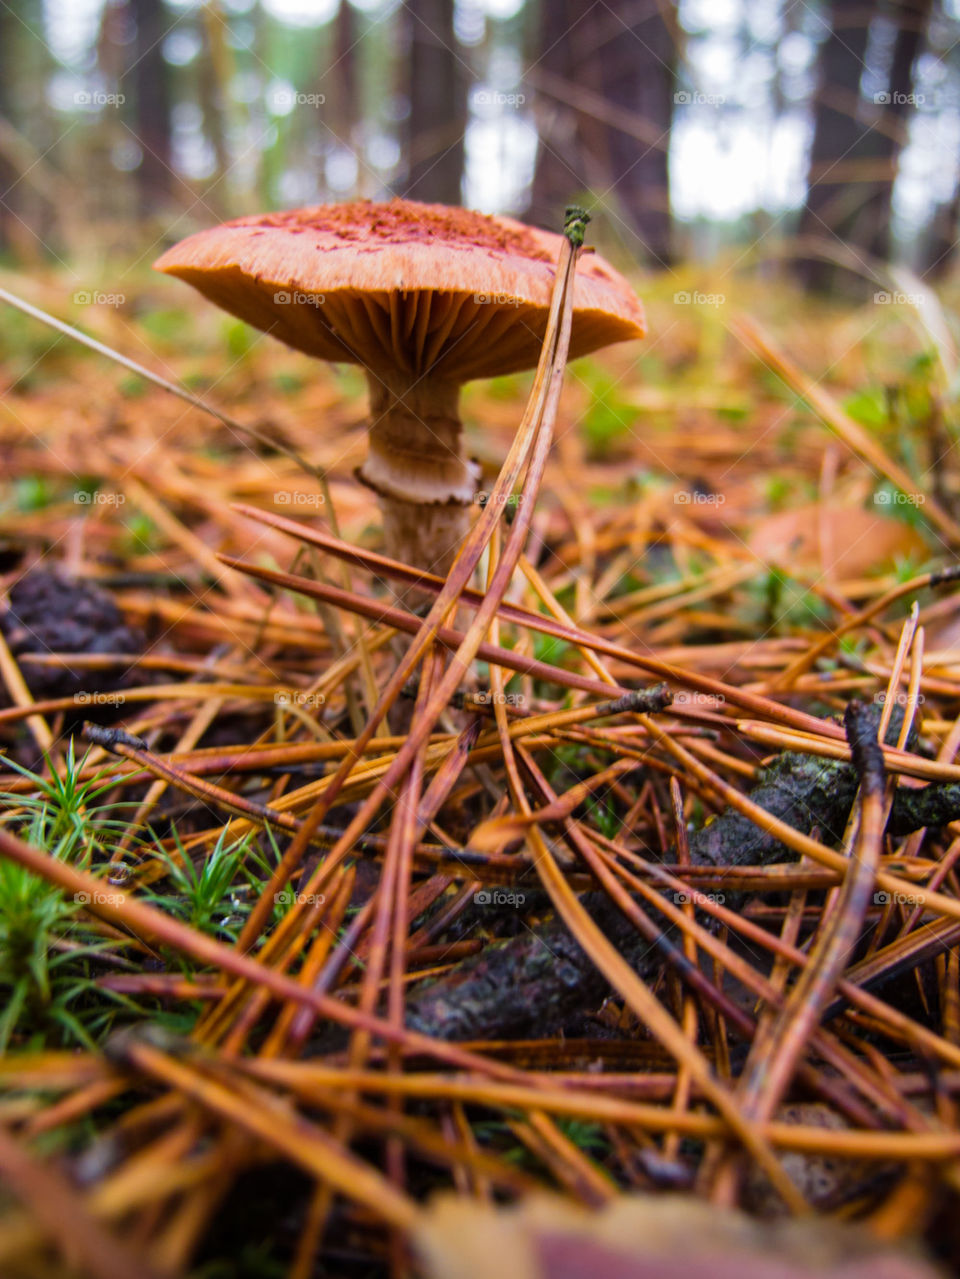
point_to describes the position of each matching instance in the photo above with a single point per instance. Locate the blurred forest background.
(825, 131)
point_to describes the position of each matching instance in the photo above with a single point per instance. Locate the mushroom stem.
(426, 537)
(417, 469)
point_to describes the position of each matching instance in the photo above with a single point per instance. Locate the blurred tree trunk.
(912, 18)
(8, 174)
(558, 177)
(832, 206)
(148, 85)
(34, 207)
(941, 247)
(215, 69)
(342, 113)
(346, 111)
(857, 145)
(606, 80)
(438, 104)
(639, 171)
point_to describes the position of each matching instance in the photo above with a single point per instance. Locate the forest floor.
(695, 946)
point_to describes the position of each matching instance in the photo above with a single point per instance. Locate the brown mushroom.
(424, 297)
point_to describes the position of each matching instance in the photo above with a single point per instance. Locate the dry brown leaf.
(645, 1237)
(844, 541)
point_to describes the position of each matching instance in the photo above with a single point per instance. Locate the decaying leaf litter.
(638, 904)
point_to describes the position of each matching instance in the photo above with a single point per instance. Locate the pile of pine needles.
(626, 862)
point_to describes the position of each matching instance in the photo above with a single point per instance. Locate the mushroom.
(425, 298)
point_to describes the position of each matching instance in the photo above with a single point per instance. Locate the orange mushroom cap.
(403, 286)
